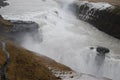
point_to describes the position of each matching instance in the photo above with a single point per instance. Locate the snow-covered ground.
(66, 39)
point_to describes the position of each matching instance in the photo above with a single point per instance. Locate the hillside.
(24, 65)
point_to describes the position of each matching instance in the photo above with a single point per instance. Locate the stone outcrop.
(16, 30)
(102, 50)
(104, 16)
(24, 26)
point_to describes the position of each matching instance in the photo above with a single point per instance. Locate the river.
(65, 38)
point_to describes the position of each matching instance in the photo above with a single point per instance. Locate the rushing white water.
(66, 39)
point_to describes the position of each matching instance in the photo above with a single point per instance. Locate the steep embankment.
(25, 66)
(104, 15)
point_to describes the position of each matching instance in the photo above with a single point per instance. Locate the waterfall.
(67, 39)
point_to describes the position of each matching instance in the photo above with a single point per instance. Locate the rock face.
(102, 50)
(19, 30)
(24, 26)
(103, 16)
(4, 25)
(16, 26)
(3, 3)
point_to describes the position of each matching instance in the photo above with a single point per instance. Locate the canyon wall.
(102, 15)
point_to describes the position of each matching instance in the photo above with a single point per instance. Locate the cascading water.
(67, 39)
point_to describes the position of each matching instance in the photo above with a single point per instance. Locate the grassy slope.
(24, 65)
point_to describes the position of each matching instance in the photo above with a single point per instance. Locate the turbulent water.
(65, 38)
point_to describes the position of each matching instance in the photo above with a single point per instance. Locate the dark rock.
(102, 50)
(23, 26)
(59, 78)
(3, 3)
(44, 0)
(71, 76)
(91, 48)
(1, 17)
(24, 29)
(56, 12)
(106, 20)
(20, 30)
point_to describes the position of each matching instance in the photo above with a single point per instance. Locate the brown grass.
(24, 65)
(5, 23)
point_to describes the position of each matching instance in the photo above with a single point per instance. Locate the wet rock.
(106, 20)
(24, 30)
(23, 26)
(91, 48)
(102, 50)
(20, 30)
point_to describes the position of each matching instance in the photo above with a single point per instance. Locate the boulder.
(102, 50)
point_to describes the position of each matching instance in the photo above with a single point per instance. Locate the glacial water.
(65, 38)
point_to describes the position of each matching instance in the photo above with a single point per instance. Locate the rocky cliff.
(103, 15)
